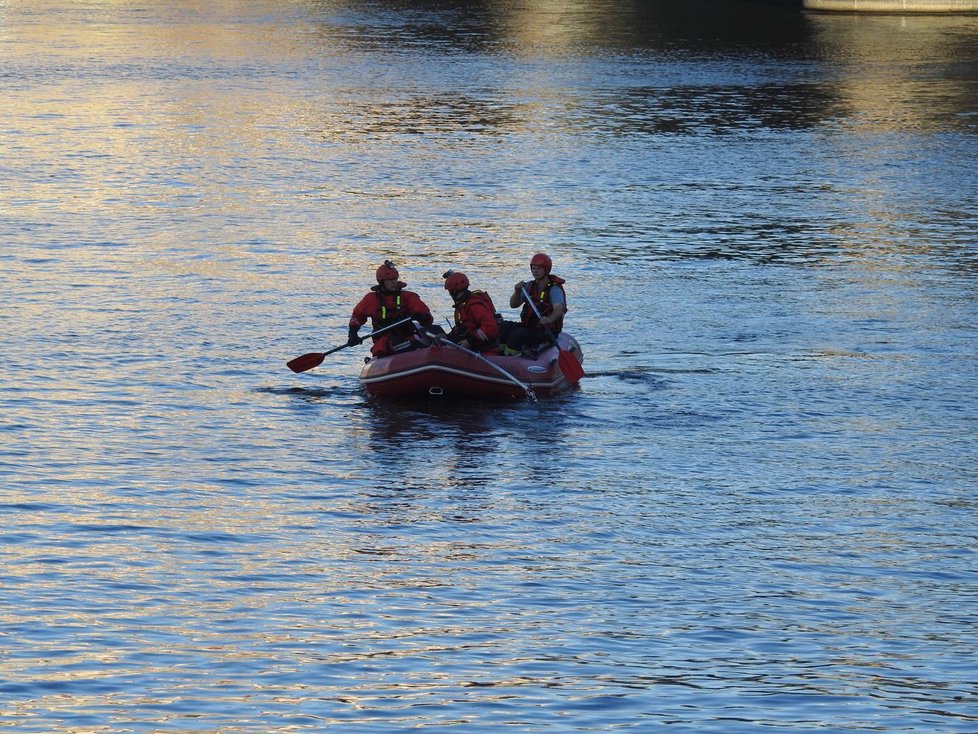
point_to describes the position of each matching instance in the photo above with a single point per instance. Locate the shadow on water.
(439, 418)
(463, 443)
(625, 26)
(434, 443)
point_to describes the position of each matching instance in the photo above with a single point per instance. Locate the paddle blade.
(569, 366)
(306, 361)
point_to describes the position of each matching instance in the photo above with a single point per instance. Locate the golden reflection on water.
(899, 73)
(898, 79)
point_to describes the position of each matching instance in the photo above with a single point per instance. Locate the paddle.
(526, 388)
(314, 359)
(565, 360)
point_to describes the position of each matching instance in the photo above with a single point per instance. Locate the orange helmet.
(387, 271)
(456, 282)
(543, 261)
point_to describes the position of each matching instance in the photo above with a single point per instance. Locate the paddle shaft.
(314, 359)
(546, 328)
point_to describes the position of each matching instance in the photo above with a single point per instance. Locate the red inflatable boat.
(451, 371)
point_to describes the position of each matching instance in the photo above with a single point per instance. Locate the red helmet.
(387, 271)
(456, 282)
(543, 261)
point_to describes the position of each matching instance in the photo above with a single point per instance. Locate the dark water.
(757, 513)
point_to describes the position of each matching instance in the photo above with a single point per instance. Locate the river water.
(757, 513)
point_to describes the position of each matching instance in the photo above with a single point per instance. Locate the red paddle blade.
(306, 361)
(569, 366)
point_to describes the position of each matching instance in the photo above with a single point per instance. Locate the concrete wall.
(895, 6)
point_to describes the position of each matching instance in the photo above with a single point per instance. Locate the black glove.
(352, 339)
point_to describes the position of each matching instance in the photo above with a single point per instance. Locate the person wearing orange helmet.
(547, 293)
(475, 315)
(386, 303)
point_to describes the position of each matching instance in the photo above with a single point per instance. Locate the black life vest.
(541, 299)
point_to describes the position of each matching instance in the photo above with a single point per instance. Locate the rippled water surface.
(757, 513)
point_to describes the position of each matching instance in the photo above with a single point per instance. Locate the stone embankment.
(894, 6)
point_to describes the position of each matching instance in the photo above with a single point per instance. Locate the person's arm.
(488, 327)
(358, 319)
(516, 300)
(419, 310)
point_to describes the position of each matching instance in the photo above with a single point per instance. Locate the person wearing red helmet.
(386, 303)
(547, 292)
(475, 315)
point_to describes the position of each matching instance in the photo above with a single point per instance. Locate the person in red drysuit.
(475, 315)
(386, 303)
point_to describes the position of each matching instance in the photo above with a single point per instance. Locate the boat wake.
(310, 392)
